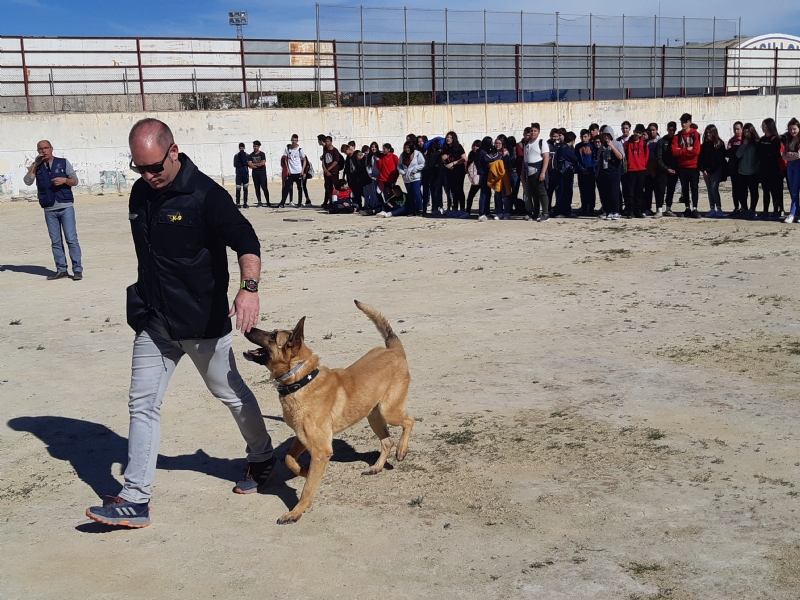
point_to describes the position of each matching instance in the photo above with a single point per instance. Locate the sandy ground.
(604, 410)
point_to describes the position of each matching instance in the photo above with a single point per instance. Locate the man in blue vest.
(55, 179)
(182, 223)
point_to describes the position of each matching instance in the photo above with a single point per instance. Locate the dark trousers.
(473, 191)
(772, 184)
(623, 187)
(426, 189)
(750, 183)
(672, 182)
(564, 202)
(455, 179)
(690, 180)
(260, 183)
(331, 183)
(553, 181)
(586, 188)
(537, 193)
(738, 191)
(658, 187)
(292, 179)
(634, 191)
(608, 182)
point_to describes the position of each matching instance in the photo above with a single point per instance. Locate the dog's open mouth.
(257, 355)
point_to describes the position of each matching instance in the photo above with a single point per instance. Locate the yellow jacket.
(498, 178)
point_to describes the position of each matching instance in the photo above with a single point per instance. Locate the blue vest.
(48, 193)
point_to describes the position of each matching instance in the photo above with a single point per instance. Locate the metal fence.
(366, 56)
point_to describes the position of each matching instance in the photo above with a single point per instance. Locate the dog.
(319, 402)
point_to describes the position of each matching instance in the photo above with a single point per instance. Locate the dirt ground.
(604, 410)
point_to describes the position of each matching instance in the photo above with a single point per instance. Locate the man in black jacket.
(181, 222)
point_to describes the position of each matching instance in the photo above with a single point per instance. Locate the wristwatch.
(251, 285)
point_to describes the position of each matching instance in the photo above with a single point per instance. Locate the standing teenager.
(587, 167)
(410, 165)
(771, 168)
(747, 154)
(609, 171)
(454, 160)
(713, 165)
(738, 190)
(792, 157)
(637, 154)
(258, 164)
(686, 150)
(537, 161)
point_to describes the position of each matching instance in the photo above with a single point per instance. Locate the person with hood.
(637, 153)
(686, 150)
(609, 172)
(713, 165)
(587, 166)
(738, 190)
(242, 175)
(410, 165)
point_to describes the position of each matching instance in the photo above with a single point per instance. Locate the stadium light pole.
(238, 19)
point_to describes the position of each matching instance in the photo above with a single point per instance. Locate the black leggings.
(772, 184)
(455, 178)
(750, 184)
(473, 191)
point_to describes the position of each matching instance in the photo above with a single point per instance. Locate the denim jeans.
(155, 357)
(793, 174)
(426, 189)
(414, 196)
(712, 186)
(58, 220)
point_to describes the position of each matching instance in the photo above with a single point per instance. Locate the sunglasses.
(154, 168)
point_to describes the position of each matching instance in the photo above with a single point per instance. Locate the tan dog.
(318, 405)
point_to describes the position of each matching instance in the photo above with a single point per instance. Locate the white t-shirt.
(294, 160)
(535, 151)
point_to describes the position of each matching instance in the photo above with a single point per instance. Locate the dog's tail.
(382, 323)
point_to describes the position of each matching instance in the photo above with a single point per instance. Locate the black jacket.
(180, 236)
(712, 158)
(664, 156)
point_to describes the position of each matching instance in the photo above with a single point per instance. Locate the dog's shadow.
(92, 449)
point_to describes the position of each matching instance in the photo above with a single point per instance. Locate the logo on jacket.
(173, 218)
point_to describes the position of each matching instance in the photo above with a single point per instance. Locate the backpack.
(472, 173)
(309, 168)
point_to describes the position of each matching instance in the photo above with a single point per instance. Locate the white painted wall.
(96, 144)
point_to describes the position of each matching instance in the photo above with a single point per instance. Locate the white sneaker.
(527, 218)
(789, 219)
(483, 218)
(658, 214)
(495, 218)
(615, 217)
(608, 217)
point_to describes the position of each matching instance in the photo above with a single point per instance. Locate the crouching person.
(396, 204)
(342, 200)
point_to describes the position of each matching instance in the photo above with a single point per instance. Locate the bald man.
(55, 179)
(181, 222)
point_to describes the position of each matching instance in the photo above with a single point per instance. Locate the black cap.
(256, 143)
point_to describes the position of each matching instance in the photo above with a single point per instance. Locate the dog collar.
(285, 390)
(291, 372)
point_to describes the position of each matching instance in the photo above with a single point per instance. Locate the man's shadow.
(92, 449)
(29, 269)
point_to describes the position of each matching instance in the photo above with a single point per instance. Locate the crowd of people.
(632, 175)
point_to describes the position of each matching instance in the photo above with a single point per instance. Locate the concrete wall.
(96, 144)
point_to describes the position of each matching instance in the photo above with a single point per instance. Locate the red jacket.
(687, 159)
(637, 154)
(387, 168)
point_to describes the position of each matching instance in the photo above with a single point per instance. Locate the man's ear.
(296, 339)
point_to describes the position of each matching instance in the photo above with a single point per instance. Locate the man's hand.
(671, 171)
(59, 180)
(246, 307)
(542, 177)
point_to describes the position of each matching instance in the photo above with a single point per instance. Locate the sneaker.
(527, 218)
(308, 204)
(694, 214)
(238, 205)
(120, 513)
(607, 217)
(495, 218)
(720, 214)
(650, 213)
(639, 216)
(387, 215)
(483, 218)
(669, 213)
(712, 214)
(77, 276)
(789, 219)
(543, 219)
(256, 477)
(245, 205)
(687, 214)
(506, 216)
(658, 214)
(298, 205)
(59, 275)
(259, 205)
(615, 217)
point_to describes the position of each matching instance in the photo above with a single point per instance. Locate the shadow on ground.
(92, 449)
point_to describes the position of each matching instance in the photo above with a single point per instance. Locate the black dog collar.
(285, 390)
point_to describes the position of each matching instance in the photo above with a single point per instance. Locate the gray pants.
(155, 357)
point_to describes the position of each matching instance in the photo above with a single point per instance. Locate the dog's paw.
(371, 471)
(288, 519)
(401, 454)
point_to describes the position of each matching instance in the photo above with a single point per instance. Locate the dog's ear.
(296, 339)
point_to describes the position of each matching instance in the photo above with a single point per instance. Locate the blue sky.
(296, 18)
